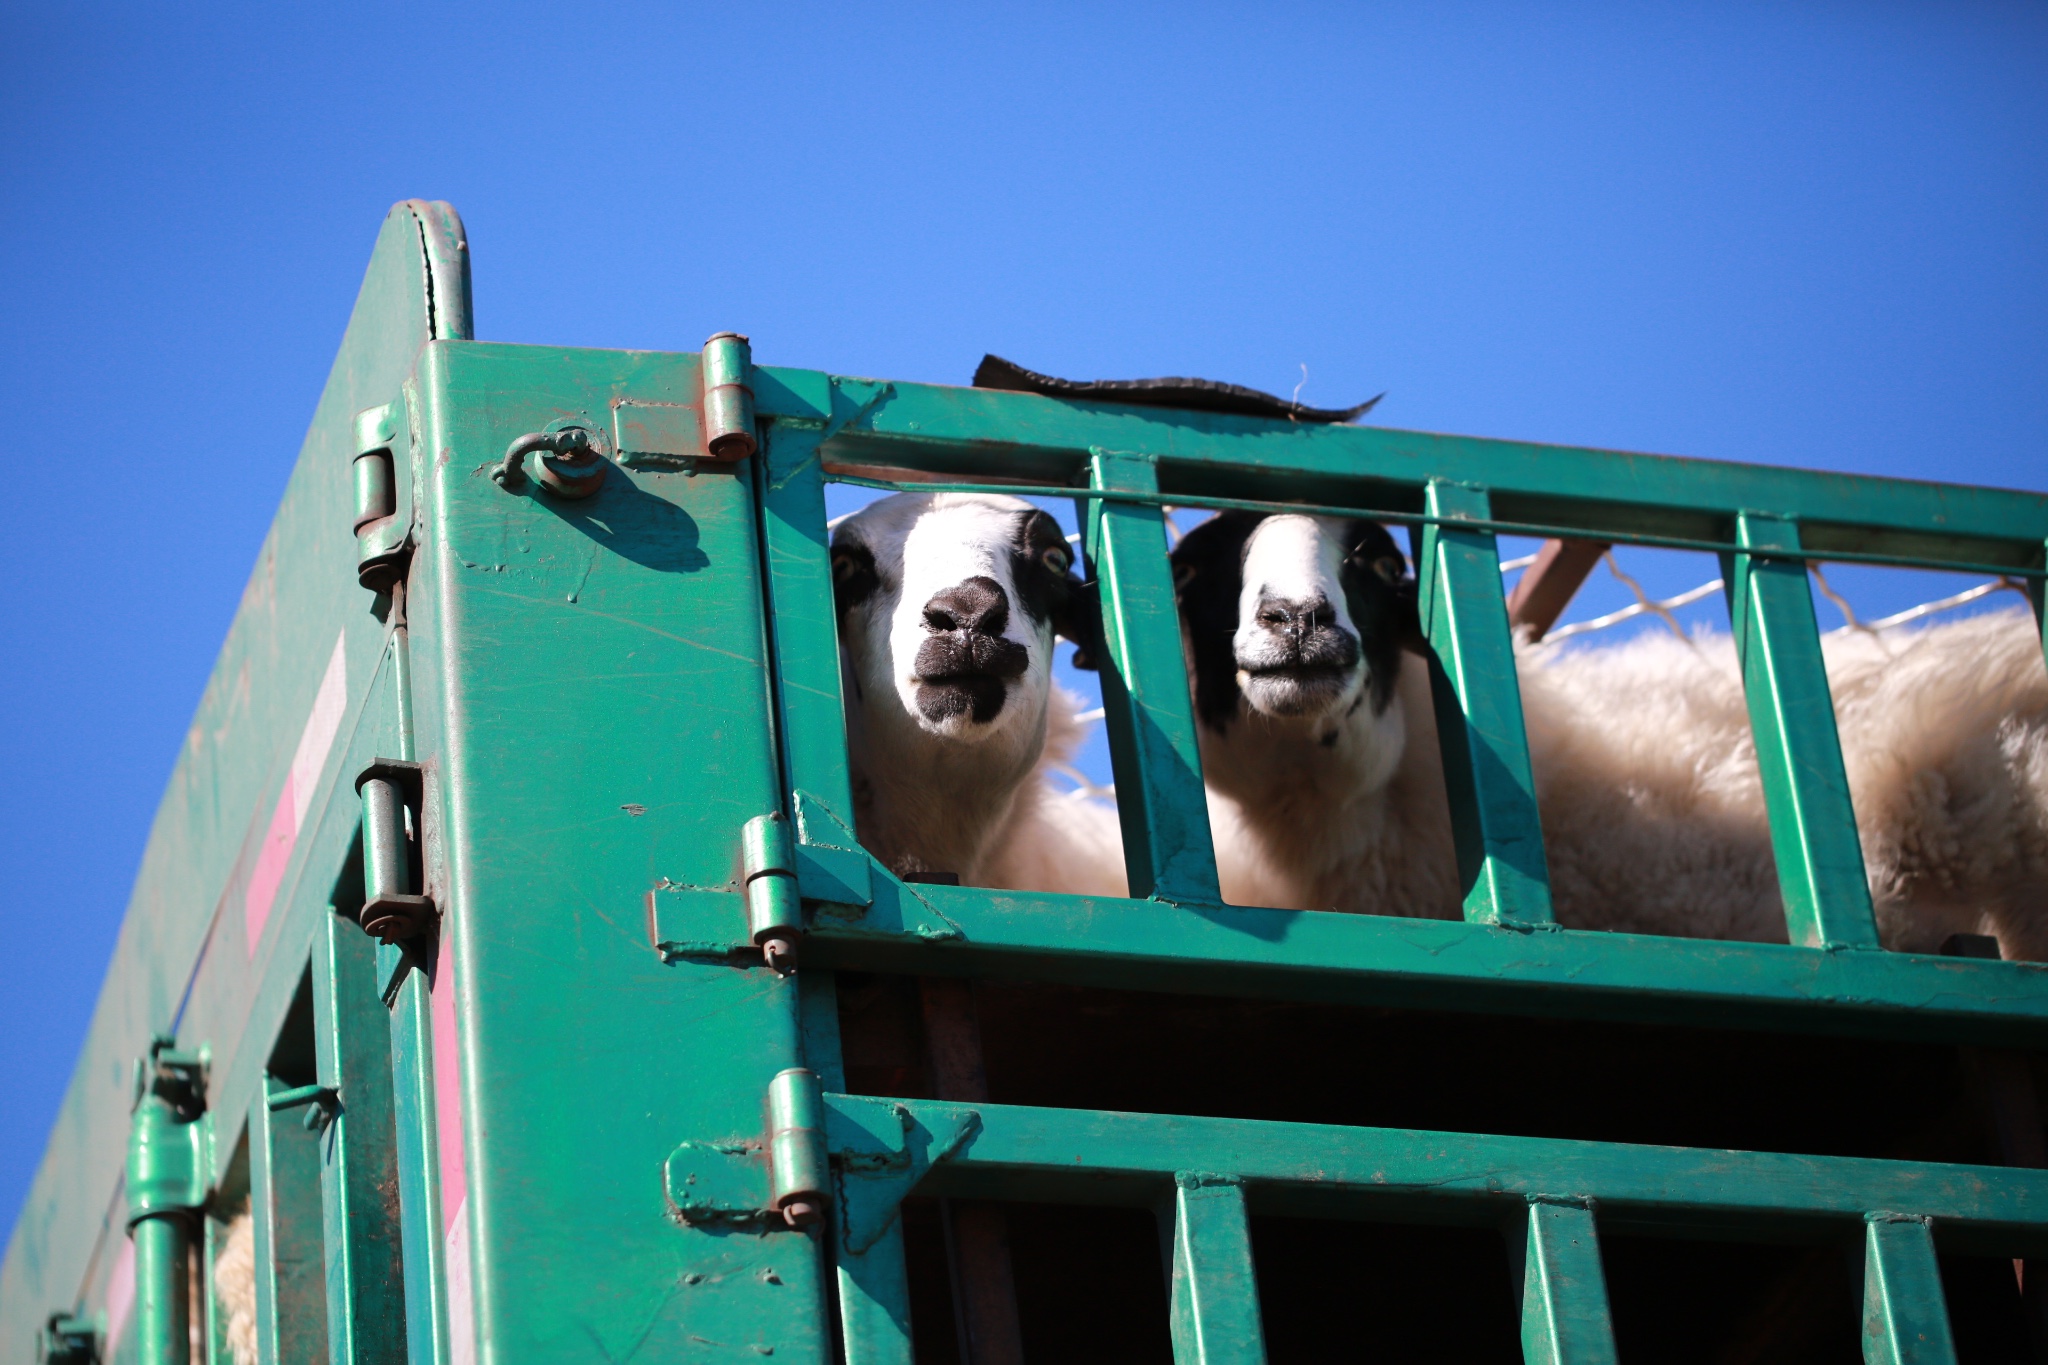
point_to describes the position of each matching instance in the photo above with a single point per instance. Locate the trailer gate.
(579, 1121)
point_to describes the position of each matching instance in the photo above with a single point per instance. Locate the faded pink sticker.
(315, 740)
(120, 1294)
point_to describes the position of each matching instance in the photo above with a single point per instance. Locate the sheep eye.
(1388, 568)
(1056, 559)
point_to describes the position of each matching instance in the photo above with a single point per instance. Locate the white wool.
(1646, 770)
(1652, 809)
(1052, 841)
(234, 1287)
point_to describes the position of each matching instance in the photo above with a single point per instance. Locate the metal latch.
(380, 539)
(775, 920)
(392, 793)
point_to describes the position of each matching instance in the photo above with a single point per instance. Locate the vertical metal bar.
(358, 1159)
(162, 1310)
(1160, 802)
(797, 556)
(419, 1182)
(1905, 1317)
(1215, 1288)
(1564, 1290)
(1479, 715)
(291, 1267)
(1806, 789)
(874, 1300)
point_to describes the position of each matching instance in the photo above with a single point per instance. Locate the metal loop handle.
(568, 441)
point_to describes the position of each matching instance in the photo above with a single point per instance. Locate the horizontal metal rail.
(1385, 960)
(1081, 1156)
(967, 433)
(1494, 524)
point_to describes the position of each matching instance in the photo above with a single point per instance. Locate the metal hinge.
(775, 919)
(381, 538)
(393, 794)
(166, 1155)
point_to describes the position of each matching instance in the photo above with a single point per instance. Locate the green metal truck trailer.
(446, 956)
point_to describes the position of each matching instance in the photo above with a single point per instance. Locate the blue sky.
(1812, 235)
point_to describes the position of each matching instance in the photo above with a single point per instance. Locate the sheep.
(234, 1287)
(1314, 715)
(947, 607)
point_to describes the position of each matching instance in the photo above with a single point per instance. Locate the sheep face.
(948, 603)
(1291, 617)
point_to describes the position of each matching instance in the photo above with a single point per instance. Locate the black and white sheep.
(1317, 723)
(948, 605)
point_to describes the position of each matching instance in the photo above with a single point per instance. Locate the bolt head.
(801, 1213)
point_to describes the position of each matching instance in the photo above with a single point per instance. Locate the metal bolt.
(801, 1213)
(780, 954)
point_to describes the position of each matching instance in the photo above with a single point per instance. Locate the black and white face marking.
(949, 603)
(1293, 616)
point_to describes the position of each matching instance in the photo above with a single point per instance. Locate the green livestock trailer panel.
(537, 678)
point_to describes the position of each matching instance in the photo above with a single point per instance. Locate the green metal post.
(291, 1266)
(1806, 789)
(419, 1184)
(1146, 708)
(1564, 1290)
(797, 558)
(1215, 1289)
(358, 1157)
(166, 1183)
(1905, 1317)
(1479, 715)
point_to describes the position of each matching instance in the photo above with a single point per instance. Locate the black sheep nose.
(976, 605)
(1295, 619)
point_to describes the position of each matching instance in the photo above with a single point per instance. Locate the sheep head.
(947, 605)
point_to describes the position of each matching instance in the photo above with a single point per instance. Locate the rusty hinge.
(775, 920)
(381, 536)
(393, 794)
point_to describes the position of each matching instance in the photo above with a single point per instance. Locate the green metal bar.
(1905, 1317)
(419, 1182)
(796, 555)
(162, 1299)
(291, 1265)
(358, 1151)
(166, 1187)
(1436, 964)
(1215, 1290)
(874, 1299)
(1564, 1291)
(874, 1287)
(950, 430)
(1614, 534)
(1146, 708)
(1806, 789)
(1479, 717)
(1315, 1170)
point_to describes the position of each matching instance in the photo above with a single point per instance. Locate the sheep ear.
(1408, 618)
(853, 576)
(1079, 619)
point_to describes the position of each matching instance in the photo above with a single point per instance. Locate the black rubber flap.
(1201, 395)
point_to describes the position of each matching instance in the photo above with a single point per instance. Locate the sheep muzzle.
(965, 667)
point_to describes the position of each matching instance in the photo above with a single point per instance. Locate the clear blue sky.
(1805, 234)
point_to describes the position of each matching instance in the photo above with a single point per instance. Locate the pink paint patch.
(271, 858)
(300, 782)
(120, 1295)
(454, 1166)
(461, 1304)
(447, 1085)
